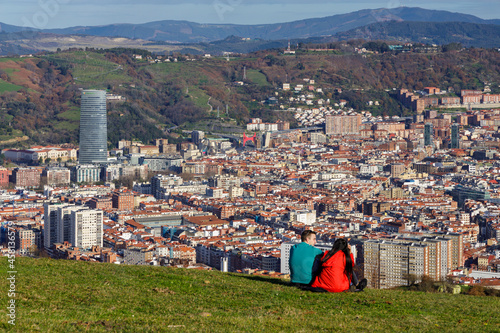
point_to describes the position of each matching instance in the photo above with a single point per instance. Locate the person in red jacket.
(336, 272)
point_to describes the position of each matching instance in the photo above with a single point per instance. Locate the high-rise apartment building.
(93, 127)
(86, 228)
(79, 225)
(389, 264)
(50, 225)
(57, 176)
(397, 169)
(57, 223)
(342, 124)
(392, 262)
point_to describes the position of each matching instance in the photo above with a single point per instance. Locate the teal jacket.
(301, 262)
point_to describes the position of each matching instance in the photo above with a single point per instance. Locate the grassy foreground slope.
(69, 296)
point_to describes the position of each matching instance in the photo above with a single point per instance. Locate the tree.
(411, 279)
(33, 251)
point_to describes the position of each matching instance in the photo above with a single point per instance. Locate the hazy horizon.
(52, 14)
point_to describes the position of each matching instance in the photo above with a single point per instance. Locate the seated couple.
(333, 273)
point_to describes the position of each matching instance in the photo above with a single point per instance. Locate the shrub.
(477, 291)
(491, 292)
(427, 284)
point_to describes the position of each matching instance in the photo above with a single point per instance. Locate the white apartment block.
(86, 228)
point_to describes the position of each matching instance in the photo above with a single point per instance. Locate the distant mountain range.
(468, 34)
(403, 23)
(190, 32)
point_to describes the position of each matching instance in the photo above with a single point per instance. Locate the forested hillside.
(40, 96)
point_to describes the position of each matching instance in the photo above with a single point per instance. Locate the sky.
(46, 14)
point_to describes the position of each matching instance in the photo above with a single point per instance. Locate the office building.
(428, 134)
(197, 137)
(86, 173)
(93, 127)
(455, 139)
(461, 193)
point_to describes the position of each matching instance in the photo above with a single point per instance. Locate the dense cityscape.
(417, 196)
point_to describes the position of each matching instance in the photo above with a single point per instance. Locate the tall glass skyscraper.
(455, 138)
(428, 133)
(93, 127)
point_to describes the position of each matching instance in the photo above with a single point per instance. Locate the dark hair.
(341, 245)
(306, 233)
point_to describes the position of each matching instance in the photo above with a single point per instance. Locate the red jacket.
(332, 277)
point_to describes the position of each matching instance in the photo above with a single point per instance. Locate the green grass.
(6, 86)
(10, 59)
(70, 126)
(199, 97)
(69, 296)
(91, 69)
(6, 134)
(257, 77)
(72, 114)
(9, 71)
(190, 72)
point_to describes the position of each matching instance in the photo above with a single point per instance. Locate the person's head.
(309, 237)
(341, 244)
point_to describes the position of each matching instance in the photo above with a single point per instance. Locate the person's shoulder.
(318, 251)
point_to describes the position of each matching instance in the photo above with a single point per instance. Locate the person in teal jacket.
(302, 259)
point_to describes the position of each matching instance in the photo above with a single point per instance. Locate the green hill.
(69, 296)
(40, 96)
